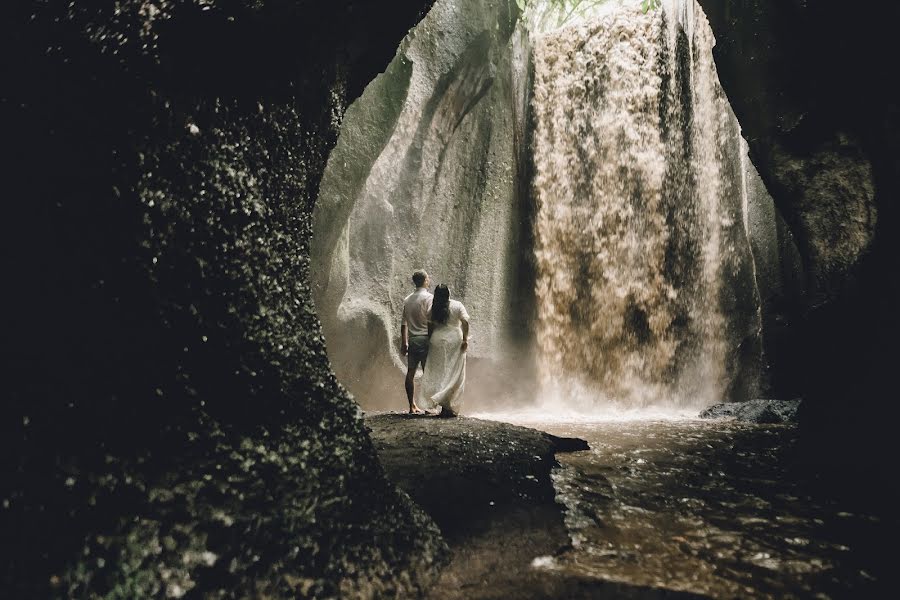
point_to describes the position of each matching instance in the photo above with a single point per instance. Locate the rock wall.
(778, 271)
(808, 83)
(170, 423)
(428, 173)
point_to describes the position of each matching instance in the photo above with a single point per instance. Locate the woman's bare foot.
(447, 413)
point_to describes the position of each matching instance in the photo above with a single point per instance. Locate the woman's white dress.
(445, 368)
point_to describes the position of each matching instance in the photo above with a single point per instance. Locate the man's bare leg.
(410, 391)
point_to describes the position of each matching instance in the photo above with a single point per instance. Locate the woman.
(445, 373)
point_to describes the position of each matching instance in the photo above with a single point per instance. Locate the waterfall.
(645, 288)
(614, 260)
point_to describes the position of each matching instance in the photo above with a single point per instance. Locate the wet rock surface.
(458, 467)
(488, 487)
(755, 411)
(428, 172)
(823, 124)
(170, 424)
(813, 114)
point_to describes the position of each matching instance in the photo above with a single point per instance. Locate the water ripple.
(714, 508)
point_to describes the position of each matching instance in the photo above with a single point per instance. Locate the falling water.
(642, 290)
(644, 272)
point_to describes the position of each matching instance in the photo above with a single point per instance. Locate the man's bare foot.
(415, 410)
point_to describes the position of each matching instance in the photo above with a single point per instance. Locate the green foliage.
(570, 7)
(567, 6)
(563, 10)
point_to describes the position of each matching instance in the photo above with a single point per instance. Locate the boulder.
(755, 411)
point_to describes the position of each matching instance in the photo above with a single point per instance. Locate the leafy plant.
(564, 10)
(568, 7)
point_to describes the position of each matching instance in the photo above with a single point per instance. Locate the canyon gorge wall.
(807, 82)
(428, 173)
(164, 356)
(170, 424)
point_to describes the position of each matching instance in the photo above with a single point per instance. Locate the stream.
(716, 508)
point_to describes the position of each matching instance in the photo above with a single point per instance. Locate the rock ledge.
(755, 411)
(488, 487)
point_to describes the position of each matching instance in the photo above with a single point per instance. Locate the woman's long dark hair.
(440, 306)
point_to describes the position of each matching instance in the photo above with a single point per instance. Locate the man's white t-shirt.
(415, 311)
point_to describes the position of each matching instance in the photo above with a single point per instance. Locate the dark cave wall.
(171, 422)
(812, 85)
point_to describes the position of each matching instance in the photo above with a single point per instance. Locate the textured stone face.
(813, 119)
(832, 195)
(172, 423)
(755, 411)
(778, 270)
(822, 123)
(426, 174)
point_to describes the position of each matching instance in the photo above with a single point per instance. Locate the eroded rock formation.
(755, 411)
(428, 173)
(807, 81)
(170, 423)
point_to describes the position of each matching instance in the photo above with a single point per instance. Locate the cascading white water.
(645, 291)
(643, 287)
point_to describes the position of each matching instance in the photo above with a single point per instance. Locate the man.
(414, 332)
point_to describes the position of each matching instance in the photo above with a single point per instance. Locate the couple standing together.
(434, 329)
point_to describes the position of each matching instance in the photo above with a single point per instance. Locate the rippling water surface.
(714, 508)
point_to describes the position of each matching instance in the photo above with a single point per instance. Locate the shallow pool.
(715, 508)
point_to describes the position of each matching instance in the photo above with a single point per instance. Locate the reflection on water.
(713, 508)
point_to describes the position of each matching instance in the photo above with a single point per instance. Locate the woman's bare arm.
(465, 331)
